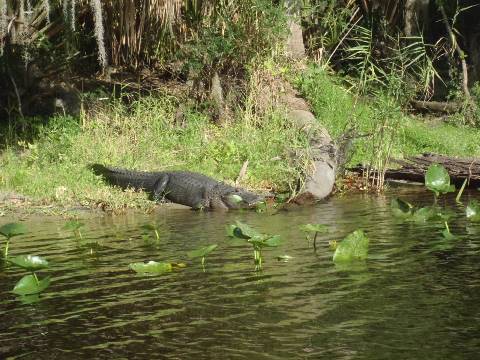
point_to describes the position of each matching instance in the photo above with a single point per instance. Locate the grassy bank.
(53, 167)
(383, 121)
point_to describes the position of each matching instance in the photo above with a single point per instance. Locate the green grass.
(54, 168)
(144, 136)
(336, 109)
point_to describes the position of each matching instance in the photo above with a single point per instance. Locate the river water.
(416, 297)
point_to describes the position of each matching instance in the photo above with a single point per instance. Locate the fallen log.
(437, 106)
(413, 168)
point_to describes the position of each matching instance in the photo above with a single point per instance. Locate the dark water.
(416, 297)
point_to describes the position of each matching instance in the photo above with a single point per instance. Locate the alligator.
(182, 187)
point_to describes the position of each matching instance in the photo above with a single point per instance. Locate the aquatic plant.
(30, 284)
(437, 180)
(154, 267)
(353, 247)
(10, 230)
(202, 252)
(152, 227)
(315, 229)
(257, 240)
(74, 226)
(473, 211)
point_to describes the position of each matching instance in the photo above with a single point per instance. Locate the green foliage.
(401, 208)
(151, 267)
(29, 262)
(256, 239)
(202, 252)
(353, 247)
(472, 211)
(437, 180)
(12, 229)
(30, 284)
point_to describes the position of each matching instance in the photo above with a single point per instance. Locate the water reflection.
(415, 297)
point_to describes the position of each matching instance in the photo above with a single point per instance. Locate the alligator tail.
(126, 178)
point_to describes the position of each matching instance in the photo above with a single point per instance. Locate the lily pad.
(265, 241)
(12, 229)
(243, 231)
(424, 214)
(473, 211)
(353, 247)
(202, 252)
(29, 285)
(319, 228)
(437, 180)
(29, 262)
(151, 267)
(401, 208)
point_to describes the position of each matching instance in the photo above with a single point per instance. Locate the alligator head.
(240, 199)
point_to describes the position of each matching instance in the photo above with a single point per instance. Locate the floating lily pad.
(437, 180)
(473, 211)
(353, 247)
(424, 214)
(29, 262)
(151, 267)
(319, 228)
(202, 252)
(243, 231)
(401, 208)
(12, 229)
(29, 285)
(265, 241)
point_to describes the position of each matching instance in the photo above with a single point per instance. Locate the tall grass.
(145, 137)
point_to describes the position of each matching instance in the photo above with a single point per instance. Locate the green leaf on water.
(243, 231)
(319, 228)
(401, 208)
(29, 285)
(262, 241)
(202, 252)
(229, 229)
(424, 214)
(73, 225)
(29, 262)
(149, 227)
(353, 247)
(437, 180)
(12, 229)
(151, 267)
(473, 211)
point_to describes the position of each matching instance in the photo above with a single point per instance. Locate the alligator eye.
(235, 198)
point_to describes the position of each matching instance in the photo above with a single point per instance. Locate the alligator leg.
(159, 187)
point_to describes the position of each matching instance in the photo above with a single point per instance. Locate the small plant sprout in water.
(257, 240)
(437, 180)
(152, 227)
(446, 232)
(473, 211)
(30, 284)
(10, 230)
(202, 252)
(74, 226)
(154, 267)
(353, 247)
(315, 229)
